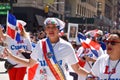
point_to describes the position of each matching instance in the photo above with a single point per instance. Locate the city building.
(81, 12)
(116, 14)
(105, 15)
(92, 14)
(34, 11)
(89, 14)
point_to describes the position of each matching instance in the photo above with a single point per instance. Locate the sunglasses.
(111, 42)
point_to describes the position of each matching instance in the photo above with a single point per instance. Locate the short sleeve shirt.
(64, 54)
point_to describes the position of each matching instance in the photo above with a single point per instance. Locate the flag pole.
(7, 20)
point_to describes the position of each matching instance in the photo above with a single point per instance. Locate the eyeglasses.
(111, 42)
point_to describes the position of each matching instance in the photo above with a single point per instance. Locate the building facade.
(81, 12)
(89, 14)
(35, 11)
(92, 14)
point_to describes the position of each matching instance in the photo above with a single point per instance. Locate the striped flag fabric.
(82, 38)
(88, 43)
(11, 27)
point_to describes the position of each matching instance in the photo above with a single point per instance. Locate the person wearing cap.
(99, 39)
(17, 72)
(53, 58)
(87, 56)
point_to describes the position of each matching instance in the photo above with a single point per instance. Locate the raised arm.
(26, 62)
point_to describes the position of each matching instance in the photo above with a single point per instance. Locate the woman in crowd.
(107, 66)
(17, 72)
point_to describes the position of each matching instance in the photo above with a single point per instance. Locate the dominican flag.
(88, 43)
(11, 27)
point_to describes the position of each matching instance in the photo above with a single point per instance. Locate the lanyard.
(110, 74)
(51, 50)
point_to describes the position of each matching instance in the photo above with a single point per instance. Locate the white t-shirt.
(89, 53)
(64, 54)
(100, 66)
(14, 46)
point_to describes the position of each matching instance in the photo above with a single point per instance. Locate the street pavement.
(5, 75)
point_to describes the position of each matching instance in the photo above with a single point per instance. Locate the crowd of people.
(49, 56)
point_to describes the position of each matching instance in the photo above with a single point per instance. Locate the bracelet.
(89, 76)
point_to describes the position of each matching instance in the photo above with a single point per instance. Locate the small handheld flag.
(11, 27)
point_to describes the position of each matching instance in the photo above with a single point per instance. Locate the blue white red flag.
(88, 43)
(11, 27)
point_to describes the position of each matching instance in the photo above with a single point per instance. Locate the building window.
(108, 11)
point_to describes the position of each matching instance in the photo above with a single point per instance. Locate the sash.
(51, 61)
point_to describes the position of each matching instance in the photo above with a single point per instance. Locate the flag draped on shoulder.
(88, 43)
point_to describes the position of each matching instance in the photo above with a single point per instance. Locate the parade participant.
(17, 72)
(107, 66)
(87, 57)
(99, 39)
(55, 56)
